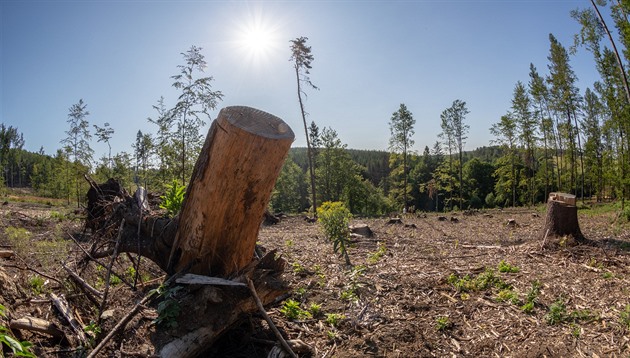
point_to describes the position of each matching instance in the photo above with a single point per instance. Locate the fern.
(173, 199)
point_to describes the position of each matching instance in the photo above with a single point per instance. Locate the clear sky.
(370, 56)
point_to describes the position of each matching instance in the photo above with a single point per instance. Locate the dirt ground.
(419, 288)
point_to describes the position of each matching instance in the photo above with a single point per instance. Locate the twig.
(542, 246)
(36, 271)
(109, 270)
(283, 342)
(86, 286)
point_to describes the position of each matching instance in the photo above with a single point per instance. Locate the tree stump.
(561, 219)
(229, 191)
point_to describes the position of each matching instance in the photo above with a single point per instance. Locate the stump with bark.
(214, 234)
(561, 220)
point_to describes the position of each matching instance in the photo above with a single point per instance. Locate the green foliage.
(37, 284)
(374, 257)
(442, 323)
(507, 268)
(334, 218)
(19, 348)
(334, 319)
(507, 295)
(557, 313)
(531, 297)
(315, 309)
(483, 281)
(168, 309)
(173, 199)
(291, 309)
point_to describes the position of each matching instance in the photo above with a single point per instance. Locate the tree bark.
(229, 191)
(562, 219)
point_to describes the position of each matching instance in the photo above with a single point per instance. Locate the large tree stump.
(561, 219)
(215, 233)
(229, 191)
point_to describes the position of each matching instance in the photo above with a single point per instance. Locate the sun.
(258, 39)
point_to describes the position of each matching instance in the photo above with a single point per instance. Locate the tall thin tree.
(301, 57)
(401, 127)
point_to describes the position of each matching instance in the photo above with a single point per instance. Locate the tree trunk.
(561, 219)
(229, 191)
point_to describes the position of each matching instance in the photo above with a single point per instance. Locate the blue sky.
(370, 56)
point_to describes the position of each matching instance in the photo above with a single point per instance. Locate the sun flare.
(258, 40)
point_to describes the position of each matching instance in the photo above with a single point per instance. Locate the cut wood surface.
(229, 191)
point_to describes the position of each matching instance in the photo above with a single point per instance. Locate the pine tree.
(401, 127)
(301, 57)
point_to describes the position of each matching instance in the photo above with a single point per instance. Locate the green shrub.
(173, 199)
(490, 200)
(334, 218)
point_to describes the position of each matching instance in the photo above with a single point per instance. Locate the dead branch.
(39, 325)
(261, 308)
(64, 308)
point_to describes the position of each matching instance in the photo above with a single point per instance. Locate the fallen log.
(6, 253)
(38, 325)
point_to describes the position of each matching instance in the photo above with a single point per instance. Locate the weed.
(19, 239)
(607, 275)
(37, 284)
(508, 295)
(528, 307)
(507, 268)
(288, 243)
(576, 330)
(483, 281)
(299, 293)
(93, 330)
(557, 313)
(442, 323)
(624, 317)
(534, 291)
(292, 310)
(169, 308)
(348, 295)
(375, 256)
(334, 319)
(315, 309)
(332, 335)
(298, 268)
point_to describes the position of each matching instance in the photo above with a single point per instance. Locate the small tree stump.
(561, 218)
(361, 229)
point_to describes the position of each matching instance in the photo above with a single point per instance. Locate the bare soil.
(415, 288)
